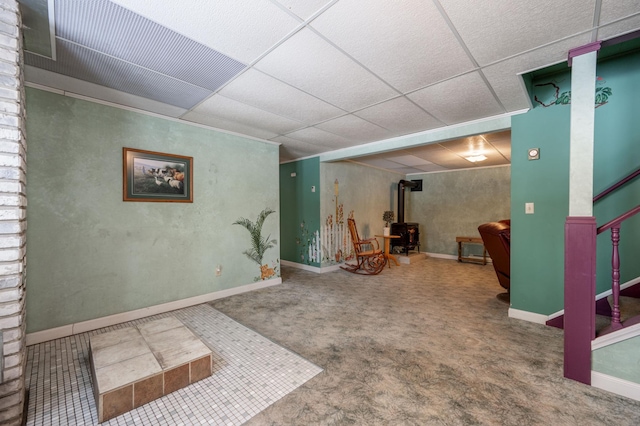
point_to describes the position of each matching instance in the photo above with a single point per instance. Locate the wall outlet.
(528, 208)
(313, 189)
(218, 270)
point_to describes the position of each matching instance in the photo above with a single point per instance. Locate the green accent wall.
(455, 203)
(537, 244)
(619, 360)
(300, 209)
(92, 255)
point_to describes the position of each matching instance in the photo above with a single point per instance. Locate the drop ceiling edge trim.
(141, 111)
(484, 125)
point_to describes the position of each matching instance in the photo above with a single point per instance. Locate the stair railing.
(614, 225)
(617, 185)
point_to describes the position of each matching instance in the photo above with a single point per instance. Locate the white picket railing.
(336, 243)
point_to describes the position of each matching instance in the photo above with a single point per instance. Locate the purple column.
(579, 296)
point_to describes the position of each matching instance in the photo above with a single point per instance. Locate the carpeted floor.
(421, 344)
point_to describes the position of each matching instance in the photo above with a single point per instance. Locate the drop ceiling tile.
(309, 63)
(354, 128)
(505, 78)
(228, 125)
(378, 162)
(267, 93)
(618, 28)
(409, 46)
(315, 136)
(612, 10)
(304, 8)
(298, 150)
(431, 168)
(409, 160)
(496, 29)
(399, 115)
(242, 29)
(407, 170)
(460, 99)
(229, 109)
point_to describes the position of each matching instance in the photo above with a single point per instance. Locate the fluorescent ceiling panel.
(231, 126)
(229, 109)
(409, 46)
(95, 91)
(241, 29)
(304, 8)
(496, 29)
(311, 64)
(88, 65)
(354, 128)
(399, 115)
(460, 99)
(265, 92)
(105, 27)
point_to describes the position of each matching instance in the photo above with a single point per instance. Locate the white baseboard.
(94, 324)
(528, 316)
(316, 269)
(615, 385)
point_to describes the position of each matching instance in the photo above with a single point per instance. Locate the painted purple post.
(579, 296)
(615, 275)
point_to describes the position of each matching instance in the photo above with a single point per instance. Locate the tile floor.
(250, 372)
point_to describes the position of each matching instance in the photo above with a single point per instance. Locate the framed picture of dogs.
(156, 176)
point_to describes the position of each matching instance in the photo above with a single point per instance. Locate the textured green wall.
(300, 209)
(619, 360)
(91, 254)
(537, 256)
(455, 203)
(366, 191)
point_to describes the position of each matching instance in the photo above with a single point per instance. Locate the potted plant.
(387, 217)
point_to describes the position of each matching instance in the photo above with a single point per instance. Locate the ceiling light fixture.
(475, 158)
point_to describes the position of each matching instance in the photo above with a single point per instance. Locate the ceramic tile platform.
(413, 257)
(133, 366)
(250, 372)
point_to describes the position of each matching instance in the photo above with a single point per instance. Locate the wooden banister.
(618, 220)
(617, 185)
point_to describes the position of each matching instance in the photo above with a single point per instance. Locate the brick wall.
(13, 221)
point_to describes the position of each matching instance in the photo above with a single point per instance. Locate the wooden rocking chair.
(370, 258)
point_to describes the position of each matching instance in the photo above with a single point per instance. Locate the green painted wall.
(537, 257)
(300, 209)
(455, 203)
(91, 254)
(366, 191)
(619, 360)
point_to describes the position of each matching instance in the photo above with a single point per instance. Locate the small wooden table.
(471, 240)
(387, 254)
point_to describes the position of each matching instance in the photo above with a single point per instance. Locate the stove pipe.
(401, 186)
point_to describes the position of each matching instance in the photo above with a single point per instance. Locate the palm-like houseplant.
(259, 245)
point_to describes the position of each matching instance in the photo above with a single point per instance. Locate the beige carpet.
(420, 344)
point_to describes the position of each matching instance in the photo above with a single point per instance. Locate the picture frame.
(156, 176)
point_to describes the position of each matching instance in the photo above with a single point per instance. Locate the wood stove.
(409, 232)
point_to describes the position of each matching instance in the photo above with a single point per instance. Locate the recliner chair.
(496, 237)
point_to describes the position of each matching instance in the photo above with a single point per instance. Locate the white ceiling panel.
(305, 8)
(409, 160)
(504, 76)
(313, 65)
(409, 46)
(231, 126)
(399, 115)
(457, 100)
(355, 128)
(622, 27)
(530, 24)
(241, 29)
(320, 137)
(265, 92)
(379, 162)
(612, 10)
(229, 109)
(430, 168)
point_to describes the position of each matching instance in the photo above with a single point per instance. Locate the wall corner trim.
(528, 316)
(615, 385)
(96, 323)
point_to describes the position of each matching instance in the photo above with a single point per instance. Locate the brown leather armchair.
(496, 237)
